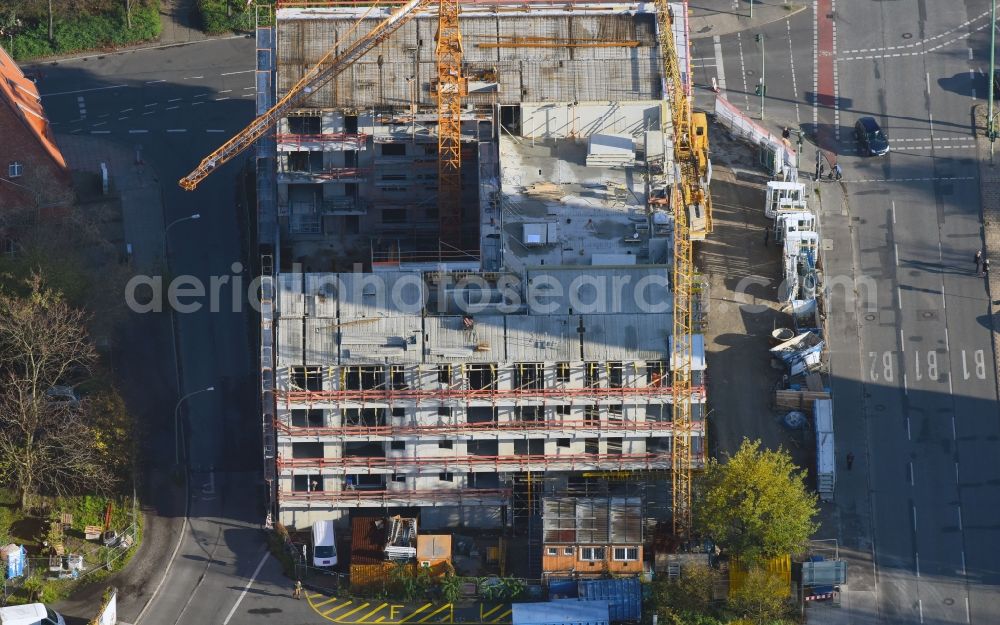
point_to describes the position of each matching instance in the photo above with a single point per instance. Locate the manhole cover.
(869, 317)
(948, 601)
(907, 35)
(927, 314)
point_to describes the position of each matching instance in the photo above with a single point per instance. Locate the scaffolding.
(475, 463)
(539, 428)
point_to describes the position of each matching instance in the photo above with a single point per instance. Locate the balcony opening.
(591, 374)
(446, 477)
(614, 446)
(350, 158)
(592, 415)
(446, 444)
(351, 124)
(444, 411)
(307, 483)
(363, 417)
(563, 410)
(306, 378)
(616, 374)
(481, 376)
(356, 481)
(563, 442)
(444, 374)
(364, 378)
(616, 413)
(393, 149)
(307, 450)
(364, 449)
(481, 414)
(531, 447)
(397, 446)
(591, 446)
(482, 448)
(307, 162)
(305, 125)
(656, 373)
(397, 378)
(529, 376)
(311, 418)
(529, 413)
(562, 372)
(399, 413)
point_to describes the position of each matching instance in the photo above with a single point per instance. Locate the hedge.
(221, 16)
(88, 32)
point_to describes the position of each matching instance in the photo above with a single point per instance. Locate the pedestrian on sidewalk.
(820, 172)
(986, 267)
(979, 262)
(297, 593)
(850, 460)
(837, 173)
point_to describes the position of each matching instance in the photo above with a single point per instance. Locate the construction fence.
(776, 153)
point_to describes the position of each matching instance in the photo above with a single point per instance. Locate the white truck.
(30, 614)
(324, 544)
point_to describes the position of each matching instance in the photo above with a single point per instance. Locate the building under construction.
(469, 350)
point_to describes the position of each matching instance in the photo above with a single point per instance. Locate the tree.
(680, 601)
(762, 599)
(756, 506)
(46, 444)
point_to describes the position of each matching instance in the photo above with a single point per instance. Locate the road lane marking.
(121, 118)
(226, 91)
(250, 88)
(175, 100)
(920, 604)
(914, 508)
(214, 130)
(906, 392)
(956, 474)
(125, 111)
(177, 130)
(502, 616)
(100, 132)
(970, 54)
(372, 613)
(246, 588)
(98, 124)
(221, 99)
(170, 108)
(335, 608)
(911, 473)
(895, 246)
(482, 617)
(791, 60)
(192, 77)
(434, 613)
(45, 95)
(954, 435)
(151, 104)
(246, 71)
(150, 113)
(968, 614)
(153, 82)
(202, 95)
(416, 612)
(323, 603)
(196, 103)
(355, 610)
(928, 179)
(908, 430)
(743, 71)
(104, 115)
(137, 132)
(960, 518)
(916, 559)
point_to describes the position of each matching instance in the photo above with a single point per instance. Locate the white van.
(324, 544)
(30, 614)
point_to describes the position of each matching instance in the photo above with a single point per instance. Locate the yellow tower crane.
(689, 195)
(451, 86)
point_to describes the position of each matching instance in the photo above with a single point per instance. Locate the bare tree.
(45, 442)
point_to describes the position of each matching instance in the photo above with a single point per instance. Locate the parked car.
(30, 614)
(872, 141)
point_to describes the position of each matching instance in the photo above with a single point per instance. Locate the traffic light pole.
(763, 85)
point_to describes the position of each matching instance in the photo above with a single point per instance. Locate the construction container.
(826, 461)
(563, 612)
(624, 596)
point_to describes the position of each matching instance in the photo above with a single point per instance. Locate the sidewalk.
(989, 199)
(163, 502)
(716, 18)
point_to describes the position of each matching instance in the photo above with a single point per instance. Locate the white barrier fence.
(783, 164)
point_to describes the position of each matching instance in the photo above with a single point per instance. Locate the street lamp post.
(177, 413)
(762, 88)
(166, 231)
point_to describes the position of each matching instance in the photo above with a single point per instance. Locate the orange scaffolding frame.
(514, 462)
(418, 395)
(358, 140)
(521, 427)
(372, 497)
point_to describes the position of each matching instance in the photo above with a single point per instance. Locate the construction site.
(480, 308)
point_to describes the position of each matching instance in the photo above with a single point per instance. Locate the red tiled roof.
(21, 95)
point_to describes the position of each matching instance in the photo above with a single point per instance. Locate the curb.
(989, 179)
(743, 23)
(51, 60)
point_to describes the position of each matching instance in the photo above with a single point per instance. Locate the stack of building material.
(800, 354)
(610, 151)
(826, 475)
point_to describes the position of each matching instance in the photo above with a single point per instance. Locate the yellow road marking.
(357, 609)
(438, 611)
(335, 608)
(483, 616)
(380, 619)
(362, 619)
(314, 595)
(418, 611)
(323, 603)
(503, 616)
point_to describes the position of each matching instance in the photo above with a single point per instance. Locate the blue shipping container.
(624, 596)
(563, 612)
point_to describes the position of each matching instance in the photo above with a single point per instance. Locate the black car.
(871, 140)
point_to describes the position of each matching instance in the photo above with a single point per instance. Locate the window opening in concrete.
(481, 414)
(481, 376)
(398, 477)
(591, 446)
(306, 378)
(614, 446)
(307, 450)
(563, 442)
(591, 414)
(364, 449)
(656, 373)
(307, 418)
(305, 125)
(529, 413)
(364, 417)
(351, 124)
(393, 149)
(446, 477)
(616, 374)
(562, 372)
(397, 445)
(529, 376)
(364, 378)
(444, 374)
(591, 374)
(397, 377)
(445, 444)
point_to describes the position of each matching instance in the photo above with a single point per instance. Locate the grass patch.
(222, 16)
(82, 32)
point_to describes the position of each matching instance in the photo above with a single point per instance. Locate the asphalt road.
(913, 376)
(173, 106)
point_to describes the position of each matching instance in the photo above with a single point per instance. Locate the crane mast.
(688, 193)
(451, 86)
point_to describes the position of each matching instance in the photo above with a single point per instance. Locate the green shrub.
(220, 16)
(85, 31)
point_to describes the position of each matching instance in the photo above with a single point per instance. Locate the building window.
(446, 477)
(398, 477)
(529, 376)
(307, 378)
(626, 554)
(445, 444)
(444, 374)
(399, 413)
(397, 378)
(562, 372)
(305, 125)
(563, 410)
(481, 376)
(394, 215)
(656, 373)
(397, 445)
(303, 418)
(562, 442)
(591, 554)
(393, 149)
(14, 169)
(616, 374)
(567, 551)
(444, 411)
(551, 551)
(591, 374)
